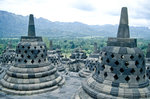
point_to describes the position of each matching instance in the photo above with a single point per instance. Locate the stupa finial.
(123, 30)
(31, 28)
(95, 47)
(51, 44)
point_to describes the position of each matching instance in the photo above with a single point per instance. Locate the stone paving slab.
(72, 83)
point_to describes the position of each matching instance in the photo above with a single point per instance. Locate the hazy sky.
(86, 11)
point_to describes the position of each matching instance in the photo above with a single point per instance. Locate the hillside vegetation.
(67, 45)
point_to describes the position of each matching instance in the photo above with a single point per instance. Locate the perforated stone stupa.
(148, 53)
(8, 55)
(85, 72)
(78, 53)
(77, 60)
(55, 56)
(95, 53)
(148, 61)
(52, 55)
(90, 63)
(121, 73)
(32, 73)
(92, 60)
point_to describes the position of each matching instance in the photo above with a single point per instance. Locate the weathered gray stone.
(148, 51)
(65, 62)
(95, 53)
(51, 44)
(77, 60)
(95, 48)
(31, 28)
(55, 57)
(8, 55)
(85, 72)
(90, 63)
(120, 74)
(123, 30)
(78, 54)
(32, 73)
(148, 61)
(1, 71)
(126, 42)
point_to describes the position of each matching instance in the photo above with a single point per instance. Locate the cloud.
(93, 12)
(83, 5)
(143, 10)
(138, 9)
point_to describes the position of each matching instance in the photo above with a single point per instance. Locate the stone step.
(30, 87)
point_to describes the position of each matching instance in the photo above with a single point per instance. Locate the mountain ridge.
(12, 25)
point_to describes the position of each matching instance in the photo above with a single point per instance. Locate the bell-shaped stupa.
(8, 55)
(77, 60)
(52, 54)
(148, 53)
(90, 63)
(121, 73)
(95, 53)
(148, 62)
(31, 73)
(55, 56)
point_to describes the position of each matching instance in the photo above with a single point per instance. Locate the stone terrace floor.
(72, 83)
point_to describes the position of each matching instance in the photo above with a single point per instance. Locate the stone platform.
(72, 83)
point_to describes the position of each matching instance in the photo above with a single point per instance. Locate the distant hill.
(12, 25)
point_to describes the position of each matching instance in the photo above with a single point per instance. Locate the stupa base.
(92, 89)
(84, 73)
(36, 91)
